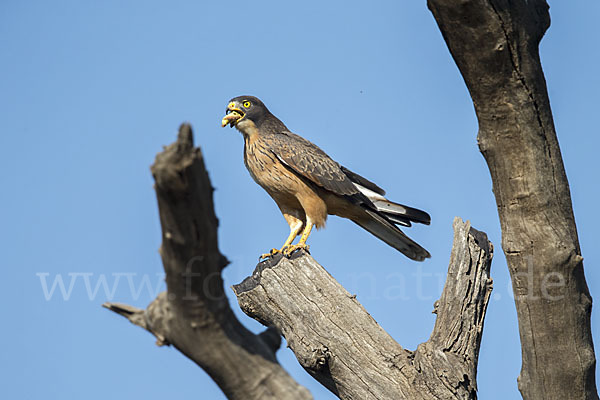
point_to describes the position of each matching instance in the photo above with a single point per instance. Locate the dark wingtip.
(417, 215)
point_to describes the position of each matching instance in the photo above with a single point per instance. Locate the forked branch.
(332, 335)
(342, 346)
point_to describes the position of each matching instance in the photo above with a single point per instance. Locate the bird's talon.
(289, 250)
(269, 254)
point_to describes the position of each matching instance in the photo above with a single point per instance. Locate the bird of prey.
(308, 185)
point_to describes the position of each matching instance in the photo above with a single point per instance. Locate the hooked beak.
(233, 115)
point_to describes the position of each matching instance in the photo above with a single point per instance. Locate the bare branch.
(194, 314)
(340, 344)
(133, 314)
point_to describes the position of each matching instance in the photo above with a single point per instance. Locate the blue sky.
(90, 91)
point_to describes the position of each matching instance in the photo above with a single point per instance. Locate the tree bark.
(340, 344)
(194, 314)
(495, 45)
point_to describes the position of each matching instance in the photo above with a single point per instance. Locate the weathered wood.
(340, 344)
(194, 314)
(495, 45)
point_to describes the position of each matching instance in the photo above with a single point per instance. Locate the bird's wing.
(309, 161)
(364, 182)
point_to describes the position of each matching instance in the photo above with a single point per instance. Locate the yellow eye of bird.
(246, 104)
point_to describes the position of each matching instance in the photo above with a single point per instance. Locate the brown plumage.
(307, 184)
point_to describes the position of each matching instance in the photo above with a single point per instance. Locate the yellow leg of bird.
(291, 238)
(294, 230)
(301, 243)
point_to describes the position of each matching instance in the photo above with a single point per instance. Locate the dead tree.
(332, 335)
(340, 344)
(194, 314)
(495, 45)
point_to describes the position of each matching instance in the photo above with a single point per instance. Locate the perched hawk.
(307, 184)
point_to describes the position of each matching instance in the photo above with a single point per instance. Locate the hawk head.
(245, 108)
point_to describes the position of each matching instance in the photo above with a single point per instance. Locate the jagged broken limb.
(194, 314)
(342, 346)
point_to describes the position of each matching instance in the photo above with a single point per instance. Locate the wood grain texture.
(194, 314)
(495, 45)
(342, 346)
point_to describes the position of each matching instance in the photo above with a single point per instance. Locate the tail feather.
(404, 214)
(384, 229)
(389, 208)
